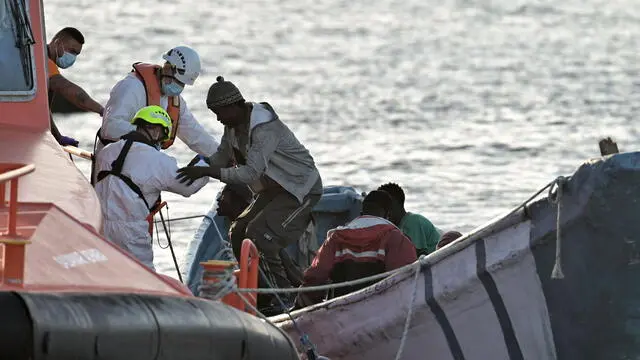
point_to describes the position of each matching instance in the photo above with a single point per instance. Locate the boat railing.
(12, 245)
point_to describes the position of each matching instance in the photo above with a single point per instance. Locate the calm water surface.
(470, 105)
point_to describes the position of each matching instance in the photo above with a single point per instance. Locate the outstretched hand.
(190, 174)
(197, 159)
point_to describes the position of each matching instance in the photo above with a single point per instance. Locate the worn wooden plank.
(608, 147)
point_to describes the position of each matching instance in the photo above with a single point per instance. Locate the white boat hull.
(490, 295)
(456, 311)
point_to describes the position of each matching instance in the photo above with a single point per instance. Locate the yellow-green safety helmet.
(156, 115)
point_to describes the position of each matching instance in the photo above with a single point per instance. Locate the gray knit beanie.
(223, 93)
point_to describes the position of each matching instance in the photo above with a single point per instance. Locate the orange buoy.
(246, 277)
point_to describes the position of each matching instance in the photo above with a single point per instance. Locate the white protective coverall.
(124, 212)
(128, 96)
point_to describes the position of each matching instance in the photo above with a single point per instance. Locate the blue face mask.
(66, 60)
(171, 89)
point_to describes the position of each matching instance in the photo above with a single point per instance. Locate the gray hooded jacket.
(271, 149)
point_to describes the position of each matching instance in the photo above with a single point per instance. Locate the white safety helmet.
(186, 61)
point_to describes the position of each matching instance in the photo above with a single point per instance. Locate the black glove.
(189, 174)
(198, 158)
(65, 141)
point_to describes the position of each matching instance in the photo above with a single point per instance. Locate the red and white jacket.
(365, 246)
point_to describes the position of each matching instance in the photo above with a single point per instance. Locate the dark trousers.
(274, 220)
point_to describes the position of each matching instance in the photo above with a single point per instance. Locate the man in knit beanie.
(273, 163)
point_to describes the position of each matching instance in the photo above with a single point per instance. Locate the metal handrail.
(16, 173)
(78, 152)
(13, 245)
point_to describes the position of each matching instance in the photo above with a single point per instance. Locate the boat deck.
(56, 179)
(59, 215)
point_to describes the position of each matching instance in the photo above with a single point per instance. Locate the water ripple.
(470, 105)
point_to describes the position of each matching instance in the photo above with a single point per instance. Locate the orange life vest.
(147, 73)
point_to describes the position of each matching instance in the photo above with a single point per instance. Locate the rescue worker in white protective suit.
(131, 175)
(151, 84)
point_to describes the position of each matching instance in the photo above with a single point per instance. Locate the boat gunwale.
(497, 224)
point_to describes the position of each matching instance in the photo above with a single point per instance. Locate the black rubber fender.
(16, 328)
(66, 326)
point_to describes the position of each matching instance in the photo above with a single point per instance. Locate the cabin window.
(17, 67)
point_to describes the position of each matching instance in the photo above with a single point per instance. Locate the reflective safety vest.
(147, 73)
